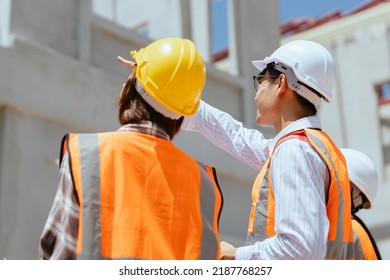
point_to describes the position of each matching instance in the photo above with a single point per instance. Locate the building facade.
(59, 74)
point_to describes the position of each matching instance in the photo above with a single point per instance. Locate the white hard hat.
(362, 173)
(305, 64)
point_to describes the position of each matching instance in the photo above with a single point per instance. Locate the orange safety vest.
(338, 207)
(142, 198)
(364, 245)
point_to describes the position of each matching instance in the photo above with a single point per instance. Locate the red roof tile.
(299, 25)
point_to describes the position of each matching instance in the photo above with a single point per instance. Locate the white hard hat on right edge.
(306, 65)
(362, 173)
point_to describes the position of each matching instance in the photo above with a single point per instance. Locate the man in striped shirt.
(289, 88)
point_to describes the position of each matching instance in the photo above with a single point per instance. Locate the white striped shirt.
(299, 177)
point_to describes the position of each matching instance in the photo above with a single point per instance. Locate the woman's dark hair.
(309, 108)
(132, 108)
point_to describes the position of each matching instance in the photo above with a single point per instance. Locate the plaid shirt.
(60, 233)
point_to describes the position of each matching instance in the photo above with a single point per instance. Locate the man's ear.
(282, 84)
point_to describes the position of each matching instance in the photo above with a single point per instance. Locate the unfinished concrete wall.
(58, 74)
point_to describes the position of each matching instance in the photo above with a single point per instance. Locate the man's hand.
(228, 251)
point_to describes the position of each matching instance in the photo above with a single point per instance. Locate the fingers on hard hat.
(127, 63)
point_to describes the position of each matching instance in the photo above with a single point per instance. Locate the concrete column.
(106, 9)
(201, 27)
(5, 16)
(252, 27)
(186, 19)
(84, 30)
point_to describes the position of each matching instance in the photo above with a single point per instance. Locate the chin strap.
(358, 202)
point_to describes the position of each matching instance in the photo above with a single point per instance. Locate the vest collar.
(146, 127)
(307, 122)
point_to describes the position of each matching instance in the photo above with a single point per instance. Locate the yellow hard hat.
(171, 71)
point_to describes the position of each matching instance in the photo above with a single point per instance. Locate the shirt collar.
(146, 127)
(307, 122)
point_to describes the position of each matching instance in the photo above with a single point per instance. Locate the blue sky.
(292, 9)
(288, 10)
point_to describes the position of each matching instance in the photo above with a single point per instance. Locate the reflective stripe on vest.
(126, 214)
(262, 219)
(363, 248)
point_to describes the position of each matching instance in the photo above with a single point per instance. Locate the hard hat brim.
(260, 64)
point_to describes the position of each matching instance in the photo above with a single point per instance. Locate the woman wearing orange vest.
(301, 207)
(363, 178)
(131, 193)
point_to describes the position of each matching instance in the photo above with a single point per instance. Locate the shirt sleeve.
(299, 177)
(59, 236)
(247, 145)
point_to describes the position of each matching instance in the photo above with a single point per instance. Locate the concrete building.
(360, 116)
(59, 74)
